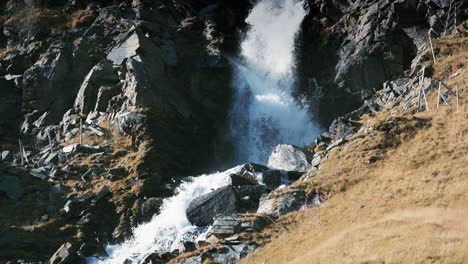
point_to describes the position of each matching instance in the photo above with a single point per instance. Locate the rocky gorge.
(108, 106)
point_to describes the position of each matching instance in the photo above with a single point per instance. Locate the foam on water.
(170, 227)
(265, 113)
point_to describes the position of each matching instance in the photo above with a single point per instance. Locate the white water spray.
(265, 113)
(167, 230)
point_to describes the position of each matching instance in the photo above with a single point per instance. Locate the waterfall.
(170, 227)
(265, 113)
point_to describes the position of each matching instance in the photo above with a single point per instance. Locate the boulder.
(202, 210)
(65, 254)
(226, 200)
(272, 178)
(248, 197)
(289, 158)
(247, 178)
(278, 203)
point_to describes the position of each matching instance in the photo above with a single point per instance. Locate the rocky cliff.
(106, 105)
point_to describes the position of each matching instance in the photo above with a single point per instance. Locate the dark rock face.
(10, 110)
(100, 75)
(349, 48)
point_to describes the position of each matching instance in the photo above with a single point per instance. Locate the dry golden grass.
(410, 206)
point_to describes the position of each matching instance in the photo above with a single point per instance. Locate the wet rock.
(248, 197)
(279, 202)
(11, 186)
(153, 258)
(272, 178)
(253, 167)
(202, 209)
(149, 208)
(289, 158)
(247, 178)
(189, 246)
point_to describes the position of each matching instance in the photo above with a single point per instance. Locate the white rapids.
(265, 113)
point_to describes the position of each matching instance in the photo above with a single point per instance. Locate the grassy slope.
(411, 206)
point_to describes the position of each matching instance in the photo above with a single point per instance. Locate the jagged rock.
(225, 226)
(65, 254)
(104, 95)
(224, 201)
(5, 155)
(39, 173)
(101, 74)
(70, 148)
(335, 144)
(57, 190)
(317, 159)
(202, 209)
(248, 197)
(246, 178)
(253, 167)
(272, 178)
(153, 258)
(11, 186)
(52, 158)
(134, 43)
(189, 246)
(289, 158)
(279, 203)
(149, 208)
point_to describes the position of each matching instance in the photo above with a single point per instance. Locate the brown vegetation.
(409, 205)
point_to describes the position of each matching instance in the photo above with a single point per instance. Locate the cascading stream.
(264, 114)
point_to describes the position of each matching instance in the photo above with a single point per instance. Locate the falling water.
(265, 113)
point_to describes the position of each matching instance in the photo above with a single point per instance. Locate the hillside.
(396, 191)
(212, 131)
